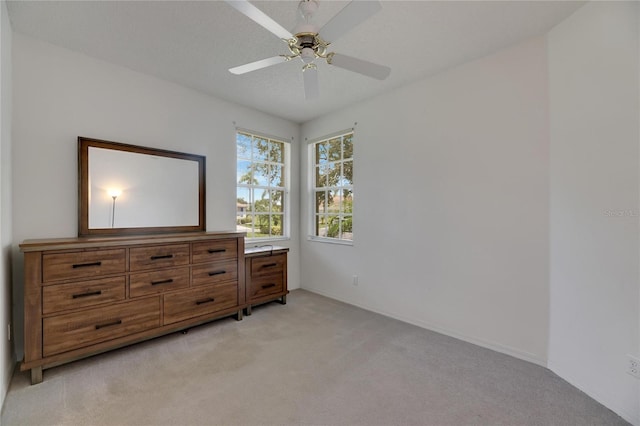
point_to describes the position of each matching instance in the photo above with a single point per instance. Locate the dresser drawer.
(158, 281)
(200, 301)
(82, 264)
(72, 331)
(265, 285)
(209, 251)
(268, 265)
(61, 297)
(154, 257)
(214, 273)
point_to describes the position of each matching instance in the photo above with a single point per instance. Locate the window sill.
(331, 241)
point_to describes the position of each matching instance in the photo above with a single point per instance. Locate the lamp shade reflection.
(114, 192)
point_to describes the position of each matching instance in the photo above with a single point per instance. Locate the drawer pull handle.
(203, 301)
(217, 250)
(169, 281)
(93, 293)
(164, 256)
(217, 273)
(109, 324)
(269, 265)
(84, 265)
(268, 285)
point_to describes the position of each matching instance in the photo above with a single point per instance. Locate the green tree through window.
(333, 187)
(261, 186)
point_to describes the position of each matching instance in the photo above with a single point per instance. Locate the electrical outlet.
(633, 366)
(355, 280)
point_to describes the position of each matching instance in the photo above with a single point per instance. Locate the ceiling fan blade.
(253, 66)
(261, 18)
(349, 17)
(310, 77)
(360, 66)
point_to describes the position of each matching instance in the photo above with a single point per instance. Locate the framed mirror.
(128, 189)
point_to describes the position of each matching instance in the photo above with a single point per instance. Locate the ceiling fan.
(307, 44)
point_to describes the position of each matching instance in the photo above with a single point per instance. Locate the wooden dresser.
(266, 275)
(83, 296)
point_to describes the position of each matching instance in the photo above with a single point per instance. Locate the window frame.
(286, 189)
(313, 189)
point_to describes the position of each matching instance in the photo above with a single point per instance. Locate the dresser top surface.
(262, 250)
(88, 242)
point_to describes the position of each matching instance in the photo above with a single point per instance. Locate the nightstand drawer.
(214, 273)
(72, 331)
(265, 285)
(83, 264)
(62, 297)
(201, 301)
(209, 251)
(158, 281)
(268, 265)
(155, 257)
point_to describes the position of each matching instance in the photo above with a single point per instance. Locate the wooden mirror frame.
(83, 188)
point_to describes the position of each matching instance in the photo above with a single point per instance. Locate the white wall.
(594, 119)
(451, 204)
(60, 95)
(7, 360)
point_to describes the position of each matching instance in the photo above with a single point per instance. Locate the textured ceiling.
(193, 43)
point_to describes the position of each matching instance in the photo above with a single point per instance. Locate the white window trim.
(286, 217)
(311, 188)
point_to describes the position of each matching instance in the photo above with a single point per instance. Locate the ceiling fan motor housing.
(306, 32)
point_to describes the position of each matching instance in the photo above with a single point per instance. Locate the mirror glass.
(125, 189)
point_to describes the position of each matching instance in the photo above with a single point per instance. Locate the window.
(333, 187)
(262, 185)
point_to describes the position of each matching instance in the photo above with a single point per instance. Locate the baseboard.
(523, 355)
(611, 403)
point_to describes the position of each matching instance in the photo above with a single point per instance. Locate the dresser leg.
(283, 301)
(36, 375)
(248, 309)
(239, 315)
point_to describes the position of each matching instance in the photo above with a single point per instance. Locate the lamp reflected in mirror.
(113, 193)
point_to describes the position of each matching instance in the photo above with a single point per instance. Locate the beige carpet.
(314, 361)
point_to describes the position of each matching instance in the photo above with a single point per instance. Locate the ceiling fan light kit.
(307, 44)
